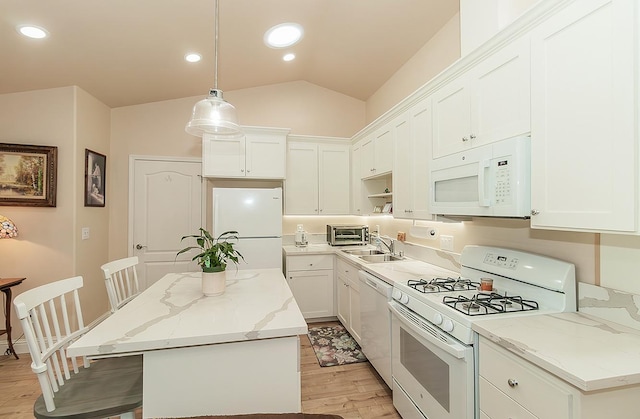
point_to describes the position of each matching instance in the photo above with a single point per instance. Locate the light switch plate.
(446, 242)
(85, 233)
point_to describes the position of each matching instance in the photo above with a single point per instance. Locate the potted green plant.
(215, 254)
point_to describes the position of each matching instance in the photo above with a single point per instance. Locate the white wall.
(436, 55)
(48, 247)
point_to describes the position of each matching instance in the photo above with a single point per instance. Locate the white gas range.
(434, 355)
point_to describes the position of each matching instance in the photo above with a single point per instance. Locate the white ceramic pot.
(213, 283)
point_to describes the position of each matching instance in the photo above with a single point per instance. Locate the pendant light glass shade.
(213, 115)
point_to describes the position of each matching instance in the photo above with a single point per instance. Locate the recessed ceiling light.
(289, 57)
(193, 57)
(33, 31)
(283, 35)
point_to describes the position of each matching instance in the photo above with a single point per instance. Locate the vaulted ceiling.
(127, 52)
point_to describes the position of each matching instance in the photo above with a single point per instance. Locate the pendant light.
(213, 114)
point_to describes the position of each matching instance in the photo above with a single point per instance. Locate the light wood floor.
(353, 391)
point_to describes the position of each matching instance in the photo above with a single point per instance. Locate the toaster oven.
(347, 234)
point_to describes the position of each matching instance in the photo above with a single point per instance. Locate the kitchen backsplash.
(609, 304)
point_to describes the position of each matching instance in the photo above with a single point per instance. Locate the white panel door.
(165, 204)
(583, 108)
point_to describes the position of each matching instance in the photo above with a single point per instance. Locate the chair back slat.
(121, 281)
(40, 311)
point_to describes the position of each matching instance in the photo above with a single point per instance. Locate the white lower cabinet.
(509, 387)
(348, 296)
(512, 387)
(311, 280)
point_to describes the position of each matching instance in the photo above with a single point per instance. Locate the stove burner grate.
(492, 303)
(442, 285)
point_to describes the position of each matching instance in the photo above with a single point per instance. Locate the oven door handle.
(452, 347)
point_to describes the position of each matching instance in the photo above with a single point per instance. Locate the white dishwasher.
(375, 316)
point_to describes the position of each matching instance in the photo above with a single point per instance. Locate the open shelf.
(381, 195)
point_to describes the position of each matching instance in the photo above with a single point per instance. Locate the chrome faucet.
(390, 246)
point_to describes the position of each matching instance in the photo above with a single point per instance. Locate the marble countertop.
(173, 312)
(586, 351)
(390, 272)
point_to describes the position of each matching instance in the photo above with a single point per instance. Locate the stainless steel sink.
(363, 252)
(378, 258)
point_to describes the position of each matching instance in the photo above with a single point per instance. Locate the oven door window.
(426, 367)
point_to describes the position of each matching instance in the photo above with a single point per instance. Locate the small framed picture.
(387, 208)
(95, 180)
(377, 209)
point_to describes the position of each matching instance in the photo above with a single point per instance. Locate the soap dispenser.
(301, 236)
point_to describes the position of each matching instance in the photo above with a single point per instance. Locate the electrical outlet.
(402, 236)
(85, 233)
(446, 242)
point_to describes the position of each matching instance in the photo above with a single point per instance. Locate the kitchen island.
(230, 354)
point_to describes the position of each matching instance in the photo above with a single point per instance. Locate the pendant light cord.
(215, 55)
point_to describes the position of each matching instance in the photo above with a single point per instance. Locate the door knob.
(139, 246)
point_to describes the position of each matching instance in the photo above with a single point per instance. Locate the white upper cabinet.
(403, 177)
(317, 180)
(411, 166)
(301, 185)
(487, 103)
(584, 116)
(356, 180)
(333, 191)
(377, 153)
(260, 153)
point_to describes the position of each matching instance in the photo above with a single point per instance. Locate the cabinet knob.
(512, 382)
(465, 139)
(311, 264)
(472, 136)
(535, 212)
(242, 170)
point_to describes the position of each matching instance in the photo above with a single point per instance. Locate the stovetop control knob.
(437, 319)
(447, 325)
(400, 296)
(396, 295)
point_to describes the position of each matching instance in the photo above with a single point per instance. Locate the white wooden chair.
(121, 281)
(51, 318)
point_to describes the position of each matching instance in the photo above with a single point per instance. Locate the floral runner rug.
(333, 345)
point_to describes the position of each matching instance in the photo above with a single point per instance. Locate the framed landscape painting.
(94, 175)
(28, 175)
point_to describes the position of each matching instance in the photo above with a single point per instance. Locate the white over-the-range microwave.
(493, 180)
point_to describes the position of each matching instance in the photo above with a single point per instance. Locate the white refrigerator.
(256, 214)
